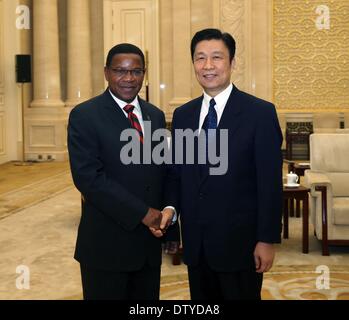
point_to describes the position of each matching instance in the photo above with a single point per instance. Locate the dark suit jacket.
(227, 215)
(117, 197)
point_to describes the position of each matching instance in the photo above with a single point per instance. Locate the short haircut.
(124, 48)
(214, 34)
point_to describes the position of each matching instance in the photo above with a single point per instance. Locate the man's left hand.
(264, 254)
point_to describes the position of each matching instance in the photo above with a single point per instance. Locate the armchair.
(328, 180)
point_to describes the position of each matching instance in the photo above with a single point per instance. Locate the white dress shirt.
(221, 101)
(137, 110)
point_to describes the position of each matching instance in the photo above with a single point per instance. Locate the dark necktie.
(210, 122)
(134, 120)
(211, 117)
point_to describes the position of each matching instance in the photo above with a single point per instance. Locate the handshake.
(158, 221)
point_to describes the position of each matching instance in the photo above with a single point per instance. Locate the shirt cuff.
(174, 218)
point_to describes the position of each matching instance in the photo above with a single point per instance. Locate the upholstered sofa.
(328, 179)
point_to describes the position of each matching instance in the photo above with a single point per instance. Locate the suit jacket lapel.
(144, 110)
(194, 123)
(195, 115)
(231, 113)
(114, 111)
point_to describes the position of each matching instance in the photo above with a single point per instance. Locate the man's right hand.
(166, 220)
(153, 218)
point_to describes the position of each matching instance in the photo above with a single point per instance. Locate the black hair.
(124, 48)
(210, 34)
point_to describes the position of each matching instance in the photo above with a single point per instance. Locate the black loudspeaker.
(23, 68)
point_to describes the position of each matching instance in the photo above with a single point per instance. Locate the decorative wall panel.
(311, 55)
(233, 19)
(42, 136)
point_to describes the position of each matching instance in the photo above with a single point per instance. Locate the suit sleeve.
(173, 233)
(90, 178)
(268, 157)
(172, 183)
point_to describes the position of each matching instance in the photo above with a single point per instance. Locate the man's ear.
(233, 63)
(106, 73)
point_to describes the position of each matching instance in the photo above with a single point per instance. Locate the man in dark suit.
(119, 256)
(230, 220)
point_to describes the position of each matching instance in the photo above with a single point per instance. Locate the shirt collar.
(221, 98)
(122, 103)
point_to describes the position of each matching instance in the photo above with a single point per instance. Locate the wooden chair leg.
(323, 190)
(325, 251)
(177, 257)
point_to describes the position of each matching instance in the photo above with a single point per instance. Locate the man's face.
(212, 66)
(125, 76)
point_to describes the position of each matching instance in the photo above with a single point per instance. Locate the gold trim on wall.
(311, 64)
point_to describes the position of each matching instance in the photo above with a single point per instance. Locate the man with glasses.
(119, 256)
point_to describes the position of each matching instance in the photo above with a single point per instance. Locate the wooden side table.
(300, 194)
(298, 169)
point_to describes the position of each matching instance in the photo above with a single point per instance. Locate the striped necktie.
(134, 120)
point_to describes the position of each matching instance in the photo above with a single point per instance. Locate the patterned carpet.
(282, 283)
(304, 283)
(19, 199)
(22, 187)
(38, 224)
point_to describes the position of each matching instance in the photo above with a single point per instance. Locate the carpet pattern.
(304, 283)
(281, 283)
(30, 194)
(38, 225)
